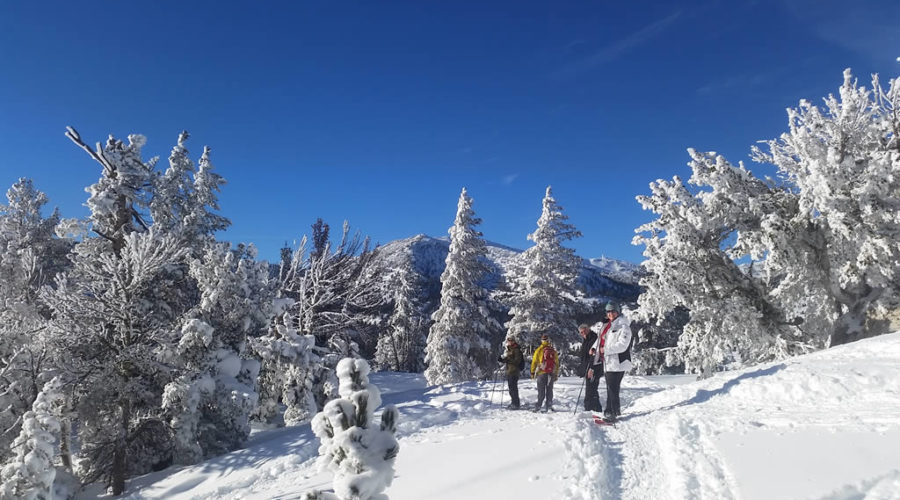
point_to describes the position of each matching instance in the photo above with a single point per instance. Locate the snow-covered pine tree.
(334, 295)
(237, 298)
(691, 255)
(212, 399)
(402, 346)
(818, 253)
(290, 368)
(335, 288)
(843, 240)
(114, 318)
(459, 341)
(545, 302)
(30, 473)
(30, 255)
(185, 198)
(360, 454)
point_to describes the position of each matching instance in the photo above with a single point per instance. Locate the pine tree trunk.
(851, 325)
(65, 453)
(118, 472)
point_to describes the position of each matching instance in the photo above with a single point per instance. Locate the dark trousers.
(513, 381)
(545, 388)
(613, 383)
(591, 392)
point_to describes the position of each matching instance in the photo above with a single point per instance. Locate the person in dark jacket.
(591, 369)
(514, 362)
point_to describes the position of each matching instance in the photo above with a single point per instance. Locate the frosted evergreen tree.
(116, 314)
(817, 250)
(691, 257)
(402, 346)
(334, 294)
(335, 289)
(545, 302)
(183, 397)
(459, 341)
(213, 399)
(844, 239)
(185, 197)
(358, 452)
(30, 254)
(110, 339)
(30, 473)
(290, 372)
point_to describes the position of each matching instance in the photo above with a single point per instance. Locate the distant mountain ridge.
(601, 278)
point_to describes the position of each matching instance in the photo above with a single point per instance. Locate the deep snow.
(821, 426)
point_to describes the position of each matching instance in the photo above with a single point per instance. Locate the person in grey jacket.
(614, 343)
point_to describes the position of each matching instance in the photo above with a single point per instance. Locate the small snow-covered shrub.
(360, 455)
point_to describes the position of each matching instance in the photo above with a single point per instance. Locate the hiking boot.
(512, 407)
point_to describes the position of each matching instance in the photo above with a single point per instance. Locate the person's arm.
(534, 359)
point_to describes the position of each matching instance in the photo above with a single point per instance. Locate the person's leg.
(588, 394)
(549, 391)
(591, 392)
(541, 389)
(513, 381)
(613, 383)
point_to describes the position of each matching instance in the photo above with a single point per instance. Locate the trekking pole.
(494, 385)
(501, 396)
(578, 400)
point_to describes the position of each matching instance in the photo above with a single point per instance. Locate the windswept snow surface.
(822, 426)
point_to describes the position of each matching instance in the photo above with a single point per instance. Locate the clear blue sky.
(379, 112)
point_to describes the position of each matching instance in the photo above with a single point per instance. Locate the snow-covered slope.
(822, 426)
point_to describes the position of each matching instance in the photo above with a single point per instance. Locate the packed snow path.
(823, 426)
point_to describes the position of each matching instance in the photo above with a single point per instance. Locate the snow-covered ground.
(822, 426)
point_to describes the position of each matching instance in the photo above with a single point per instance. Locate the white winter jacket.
(618, 340)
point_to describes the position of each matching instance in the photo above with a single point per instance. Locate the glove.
(500, 359)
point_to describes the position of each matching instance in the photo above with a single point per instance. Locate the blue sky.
(380, 112)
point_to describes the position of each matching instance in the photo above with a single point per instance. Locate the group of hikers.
(605, 353)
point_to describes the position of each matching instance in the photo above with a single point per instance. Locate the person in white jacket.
(614, 343)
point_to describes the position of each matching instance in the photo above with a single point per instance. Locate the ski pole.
(501, 393)
(494, 385)
(578, 400)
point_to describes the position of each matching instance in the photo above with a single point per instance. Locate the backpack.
(548, 359)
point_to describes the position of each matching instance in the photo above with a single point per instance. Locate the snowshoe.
(604, 420)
